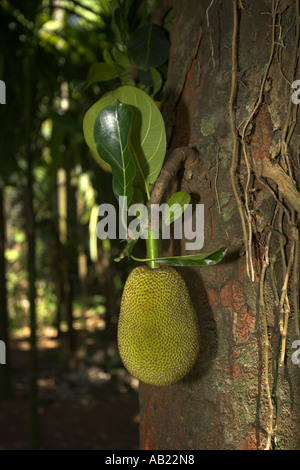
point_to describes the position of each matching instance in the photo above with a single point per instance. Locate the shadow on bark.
(207, 324)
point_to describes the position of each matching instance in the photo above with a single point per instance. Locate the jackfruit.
(158, 331)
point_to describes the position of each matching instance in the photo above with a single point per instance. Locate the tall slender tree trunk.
(31, 267)
(58, 274)
(31, 261)
(66, 199)
(71, 273)
(228, 94)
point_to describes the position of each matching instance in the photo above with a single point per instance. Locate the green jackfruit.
(158, 332)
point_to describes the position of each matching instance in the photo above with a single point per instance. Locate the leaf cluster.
(135, 53)
(126, 133)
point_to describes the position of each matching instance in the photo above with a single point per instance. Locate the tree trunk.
(71, 263)
(227, 95)
(31, 266)
(66, 199)
(34, 423)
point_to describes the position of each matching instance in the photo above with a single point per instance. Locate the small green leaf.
(202, 259)
(157, 80)
(111, 131)
(107, 56)
(176, 206)
(148, 47)
(151, 78)
(102, 72)
(120, 58)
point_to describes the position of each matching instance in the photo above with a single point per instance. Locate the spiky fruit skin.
(158, 332)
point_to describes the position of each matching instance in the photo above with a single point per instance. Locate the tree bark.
(239, 386)
(34, 424)
(70, 265)
(33, 399)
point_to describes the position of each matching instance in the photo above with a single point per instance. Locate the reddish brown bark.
(222, 403)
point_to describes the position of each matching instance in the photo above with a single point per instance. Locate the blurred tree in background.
(57, 58)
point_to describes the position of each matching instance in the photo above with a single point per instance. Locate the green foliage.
(102, 72)
(147, 139)
(201, 259)
(43, 48)
(111, 131)
(46, 303)
(179, 201)
(135, 51)
(148, 47)
(122, 143)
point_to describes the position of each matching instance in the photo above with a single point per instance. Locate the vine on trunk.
(282, 235)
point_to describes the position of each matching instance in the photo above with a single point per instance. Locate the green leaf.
(107, 56)
(111, 131)
(202, 259)
(151, 78)
(157, 80)
(178, 201)
(147, 139)
(120, 58)
(102, 72)
(138, 196)
(121, 23)
(148, 47)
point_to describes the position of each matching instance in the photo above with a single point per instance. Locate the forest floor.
(94, 406)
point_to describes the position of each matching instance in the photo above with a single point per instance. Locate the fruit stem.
(152, 249)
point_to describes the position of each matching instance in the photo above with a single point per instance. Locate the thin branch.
(296, 283)
(234, 137)
(249, 119)
(286, 186)
(216, 187)
(265, 265)
(182, 155)
(283, 297)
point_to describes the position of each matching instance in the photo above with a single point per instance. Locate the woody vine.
(276, 172)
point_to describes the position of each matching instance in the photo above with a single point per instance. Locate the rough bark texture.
(222, 403)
